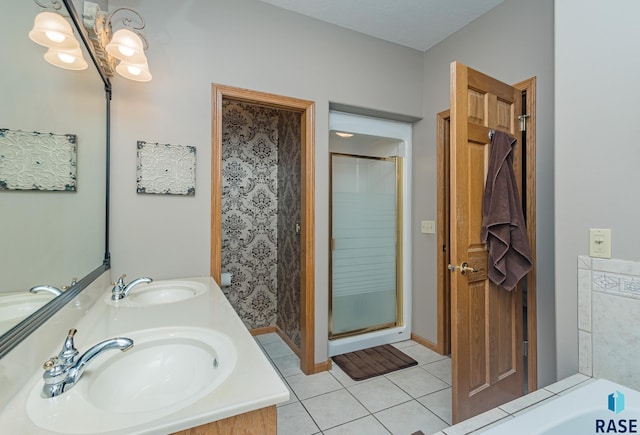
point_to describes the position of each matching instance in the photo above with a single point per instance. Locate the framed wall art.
(166, 169)
(37, 161)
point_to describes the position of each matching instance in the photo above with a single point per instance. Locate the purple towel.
(503, 224)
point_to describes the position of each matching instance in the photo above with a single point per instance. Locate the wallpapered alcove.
(261, 213)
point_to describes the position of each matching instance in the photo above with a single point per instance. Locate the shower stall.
(370, 288)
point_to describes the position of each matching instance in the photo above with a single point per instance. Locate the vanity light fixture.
(67, 59)
(132, 71)
(342, 134)
(126, 46)
(51, 30)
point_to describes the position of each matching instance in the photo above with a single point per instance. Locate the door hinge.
(523, 121)
(525, 348)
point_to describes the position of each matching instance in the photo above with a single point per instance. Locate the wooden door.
(486, 324)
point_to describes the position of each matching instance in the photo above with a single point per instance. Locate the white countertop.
(252, 385)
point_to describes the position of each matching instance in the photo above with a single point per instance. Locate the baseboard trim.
(317, 367)
(289, 342)
(322, 366)
(264, 330)
(426, 343)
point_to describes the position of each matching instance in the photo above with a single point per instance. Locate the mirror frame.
(15, 335)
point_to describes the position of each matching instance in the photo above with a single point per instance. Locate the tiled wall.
(609, 320)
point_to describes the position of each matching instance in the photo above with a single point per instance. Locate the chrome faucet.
(46, 288)
(51, 289)
(63, 371)
(74, 281)
(120, 290)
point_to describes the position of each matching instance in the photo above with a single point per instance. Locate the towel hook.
(491, 133)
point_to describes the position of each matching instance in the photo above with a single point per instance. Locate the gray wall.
(513, 42)
(38, 226)
(597, 88)
(251, 45)
(256, 46)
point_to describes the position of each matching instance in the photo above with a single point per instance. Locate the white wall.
(252, 45)
(596, 118)
(513, 42)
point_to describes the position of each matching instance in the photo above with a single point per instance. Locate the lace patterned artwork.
(37, 161)
(166, 169)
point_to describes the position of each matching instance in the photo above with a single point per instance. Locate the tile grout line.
(345, 387)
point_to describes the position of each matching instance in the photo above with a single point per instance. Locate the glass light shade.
(342, 134)
(138, 72)
(53, 31)
(67, 59)
(125, 45)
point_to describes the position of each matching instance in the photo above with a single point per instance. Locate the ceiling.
(418, 24)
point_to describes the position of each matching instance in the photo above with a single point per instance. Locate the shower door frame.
(399, 178)
(400, 129)
(305, 108)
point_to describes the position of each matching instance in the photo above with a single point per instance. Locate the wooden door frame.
(443, 133)
(306, 110)
(443, 275)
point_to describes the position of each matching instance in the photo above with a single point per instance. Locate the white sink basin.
(15, 307)
(167, 370)
(160, 292)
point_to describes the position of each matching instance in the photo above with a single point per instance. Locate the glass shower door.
(364, 244)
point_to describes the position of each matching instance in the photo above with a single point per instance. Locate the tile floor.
(399, 403)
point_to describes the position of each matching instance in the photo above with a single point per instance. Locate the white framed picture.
(166, 169)
(37, 161)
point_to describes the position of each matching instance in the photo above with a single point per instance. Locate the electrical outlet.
(428, 227)
(600, 243)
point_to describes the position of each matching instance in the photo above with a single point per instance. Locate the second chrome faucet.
(120, 290)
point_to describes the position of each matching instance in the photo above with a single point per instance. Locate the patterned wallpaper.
(253, 215)
(289, 183)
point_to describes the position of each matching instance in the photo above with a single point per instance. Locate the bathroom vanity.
(193, 368)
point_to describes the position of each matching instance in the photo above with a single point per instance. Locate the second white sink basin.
(159, 292)
(167, 370)
(15, 307)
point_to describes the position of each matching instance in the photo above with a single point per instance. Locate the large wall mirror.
(50, 235)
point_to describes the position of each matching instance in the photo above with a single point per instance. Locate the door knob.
(464, 268)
